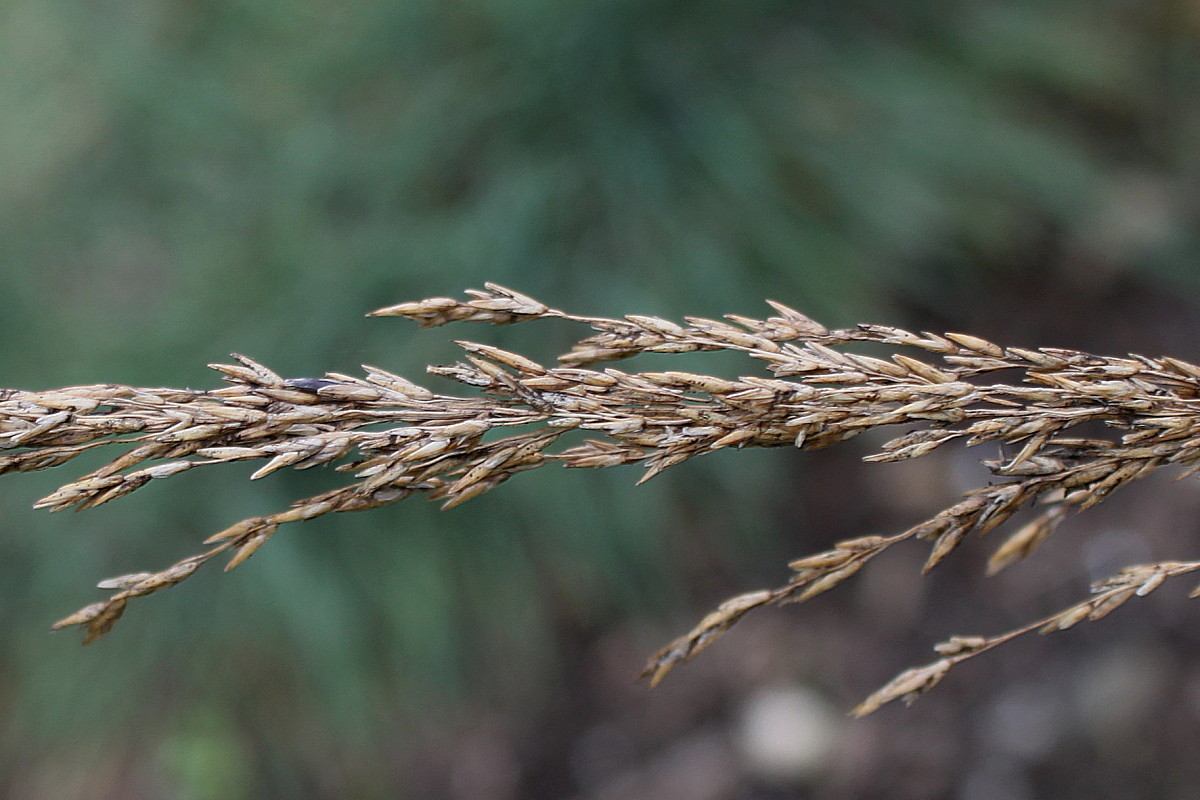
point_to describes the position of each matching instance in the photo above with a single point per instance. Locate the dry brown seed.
(804, 325)
(734, 437)
(1026, 539)
(191, 434)
(1123, 473)
(80, 617)
(656, 325)
(862, 544)
(1151, 583)
(102, 623)
(976, 344)
(237, 372)
(237, 529)
(923, 370)
(432, 305)
(518, 362)
(466, 429)
(703, 383)
(167, 470)
(1110, 602)
(229, 453)
(740, 339)
(552, 383)
(396, 383)
(391, 494)
(820, 562)
(660, 463)
(339, 391)
(278, 462)
(1038, 358)
(249, 547)
(494, 304)
(878, 365)
(522, 302)
(1067, 619)
(944, 545)
(67, 401)
(265, 375)
(123, 581)
(1182, 367)
(957, 645)
(907, 685)
(433, 447)
(829, 580)
(704, 634)
(161, 580)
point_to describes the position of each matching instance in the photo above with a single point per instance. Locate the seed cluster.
(397, 438)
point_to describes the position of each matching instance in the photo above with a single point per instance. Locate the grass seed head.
(397, 438)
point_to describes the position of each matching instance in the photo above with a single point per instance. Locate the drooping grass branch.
(397, 438)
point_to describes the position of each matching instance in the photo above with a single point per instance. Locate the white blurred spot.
(787, 733)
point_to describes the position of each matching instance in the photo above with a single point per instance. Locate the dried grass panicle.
(397, 438)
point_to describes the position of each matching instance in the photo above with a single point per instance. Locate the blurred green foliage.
(183, 179)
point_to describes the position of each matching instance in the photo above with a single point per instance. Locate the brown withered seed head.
(397, 438)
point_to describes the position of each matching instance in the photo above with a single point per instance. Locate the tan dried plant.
(397, 438)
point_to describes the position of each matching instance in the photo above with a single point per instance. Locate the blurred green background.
(179, 180)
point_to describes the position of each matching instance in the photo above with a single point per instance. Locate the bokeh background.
(179, 180)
